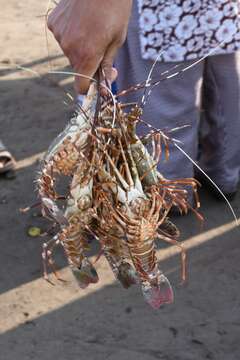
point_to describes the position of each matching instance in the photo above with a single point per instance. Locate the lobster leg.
(183, 253)
(47, 258)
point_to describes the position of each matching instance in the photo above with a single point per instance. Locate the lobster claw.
(85, 275)
(157, 295)
(127, 275)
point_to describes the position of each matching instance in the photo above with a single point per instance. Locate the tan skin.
(90, 33)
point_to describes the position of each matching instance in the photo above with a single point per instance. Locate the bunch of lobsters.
(116, 195)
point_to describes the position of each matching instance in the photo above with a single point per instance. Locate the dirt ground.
(40, 321)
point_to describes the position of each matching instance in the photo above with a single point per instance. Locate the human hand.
(90, 33)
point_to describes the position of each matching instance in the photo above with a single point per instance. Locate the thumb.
(109, 74)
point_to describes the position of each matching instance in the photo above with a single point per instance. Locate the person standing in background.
(7, 162)
(185, 30)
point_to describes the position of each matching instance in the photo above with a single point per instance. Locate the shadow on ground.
(113, 323)
(110, 323)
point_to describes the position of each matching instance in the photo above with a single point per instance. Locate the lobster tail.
(159, 294)
(86, 274)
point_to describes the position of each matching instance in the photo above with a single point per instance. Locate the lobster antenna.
(20, 67)
(147, 83)
(74, 74)
(143, 84)
(146, 97)
(113, 97)
(149, 78)
(156, 83)
(174, 141)
(208, 177)
(46, 34)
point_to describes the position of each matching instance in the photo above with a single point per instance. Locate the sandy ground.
(40, 321)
